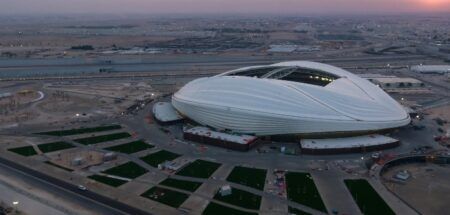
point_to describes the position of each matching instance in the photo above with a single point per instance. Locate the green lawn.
(81, 130)
(199, 169)
(102, 138)
(127, 170)
(251, 177)
(130, 147)
(181, 184)
(216, 209)
(55, 146)
(24, 151)
(165, 196)
(241, 198)
(159, 157)
(301, 188)
(296, 211)
(367, 199)
(58, 166)
(107, 180)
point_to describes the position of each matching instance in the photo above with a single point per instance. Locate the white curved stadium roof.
(298, 97)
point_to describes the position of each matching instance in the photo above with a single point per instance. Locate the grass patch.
(102, 138)
(55, 146)
(251, 177)
(181, 184)
(199, 169)
(216, 209)
(367, 199)
(296, 211)
(302, 189)
(24, 151)
(241, 198)
(126, 170)
(58, 166)
(159, 157)
(131, 147)
(165, 196)
(81, 130)
(114, 182)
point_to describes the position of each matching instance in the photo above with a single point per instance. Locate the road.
(27, 202)
(69, 192)
(64, 67)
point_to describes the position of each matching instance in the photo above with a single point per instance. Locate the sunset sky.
(223, 6)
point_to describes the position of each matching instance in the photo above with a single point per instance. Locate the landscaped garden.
(159, 157)
(166, 196)
(81, 130)
(367, 199)
(58, 166)
(131, 147)
(241, 198)
(300, 188)
(24, 151)
(102, 138)
(199, 169)
(217, 209)
(296, 211)
(127, 170)
(181, 184)
(114, 182)
(251, 177)
(55, 146)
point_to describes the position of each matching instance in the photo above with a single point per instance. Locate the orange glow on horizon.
(434, 4)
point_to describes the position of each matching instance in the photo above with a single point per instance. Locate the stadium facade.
(289, 98)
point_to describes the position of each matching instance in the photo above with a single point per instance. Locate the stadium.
(299, 98)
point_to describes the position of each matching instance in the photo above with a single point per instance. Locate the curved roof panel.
(263, 105)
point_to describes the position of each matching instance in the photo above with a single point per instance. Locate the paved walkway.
(396, 204)
(334, 192)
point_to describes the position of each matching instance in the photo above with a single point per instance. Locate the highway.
(66, 67)
(92, 201)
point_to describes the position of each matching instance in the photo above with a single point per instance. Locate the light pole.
(15, 203)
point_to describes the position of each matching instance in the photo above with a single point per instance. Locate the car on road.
(81, 187)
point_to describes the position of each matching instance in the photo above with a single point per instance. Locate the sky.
(12, 7)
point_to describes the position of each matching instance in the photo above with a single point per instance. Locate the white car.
(81, 187)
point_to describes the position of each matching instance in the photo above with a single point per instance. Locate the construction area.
(65, 103)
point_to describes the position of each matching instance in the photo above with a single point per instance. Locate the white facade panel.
(263, 106)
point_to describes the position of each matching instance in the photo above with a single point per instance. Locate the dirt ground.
(70, 102)
(429, 182)
(66, 157)
(442, 113)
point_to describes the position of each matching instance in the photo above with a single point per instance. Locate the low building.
(231, 141)
(171, 165)
(288, 48)
(431, 69)
(402, 175)
(365, 143)
(5, 95)
(396, 82)
(164, 113)
(109, 156)
(225, 190)
(78, 161)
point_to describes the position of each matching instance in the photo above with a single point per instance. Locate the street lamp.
(15, 203)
